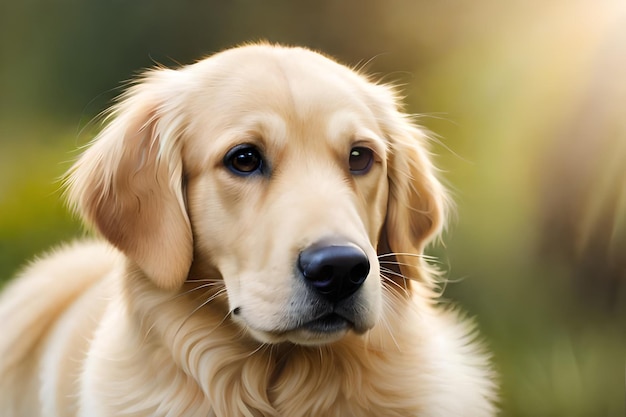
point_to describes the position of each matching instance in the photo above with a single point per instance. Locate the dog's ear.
(418, 201)
(129, 182)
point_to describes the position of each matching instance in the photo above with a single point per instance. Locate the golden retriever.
(264, 213)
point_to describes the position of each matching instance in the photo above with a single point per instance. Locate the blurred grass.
(33, 214)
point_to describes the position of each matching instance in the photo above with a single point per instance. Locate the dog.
(263, 215)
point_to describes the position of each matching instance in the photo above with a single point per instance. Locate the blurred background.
(527, 99)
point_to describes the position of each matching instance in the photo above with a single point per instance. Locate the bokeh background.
(527, 99)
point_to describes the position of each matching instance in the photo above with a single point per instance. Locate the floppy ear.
(418, 202)
(129, 182)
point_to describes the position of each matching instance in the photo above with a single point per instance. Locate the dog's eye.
(244, 160)
(361, 160)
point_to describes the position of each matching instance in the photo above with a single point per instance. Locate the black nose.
(334, 270)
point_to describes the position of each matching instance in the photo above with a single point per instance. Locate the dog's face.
(297, 169)
(280, 169)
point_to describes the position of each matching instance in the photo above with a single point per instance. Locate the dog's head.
(280, 169)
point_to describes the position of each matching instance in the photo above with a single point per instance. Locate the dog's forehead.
(296, 83)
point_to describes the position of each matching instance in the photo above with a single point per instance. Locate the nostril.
(334, 270)
(359, 272)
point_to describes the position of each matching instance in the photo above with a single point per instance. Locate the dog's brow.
(266, 124)
(352, 124)
(266, 130)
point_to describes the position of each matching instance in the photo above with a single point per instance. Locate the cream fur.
(190, 305)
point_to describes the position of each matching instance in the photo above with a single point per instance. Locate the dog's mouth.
(326, 328)
(329, 323)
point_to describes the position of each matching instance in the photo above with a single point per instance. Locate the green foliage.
(33, 216)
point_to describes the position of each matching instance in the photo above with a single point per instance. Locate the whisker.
(204, 303)
(387, 282)
(206, 285)
(392, 263)
(416, 255)
(241, 333)
(445, 281)
(454, 281)
(388, 304)
(203, 286)
(208, 300)
(384, 255)
(391, 272)
(389, 265)
(261, 347)
(429, 258)
(174, 297)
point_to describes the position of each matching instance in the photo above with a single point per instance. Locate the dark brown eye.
(361, 160)
(244, 160)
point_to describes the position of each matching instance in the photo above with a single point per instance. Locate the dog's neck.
(232, 371)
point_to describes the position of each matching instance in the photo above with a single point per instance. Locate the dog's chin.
(299, 337)
(325, 330)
